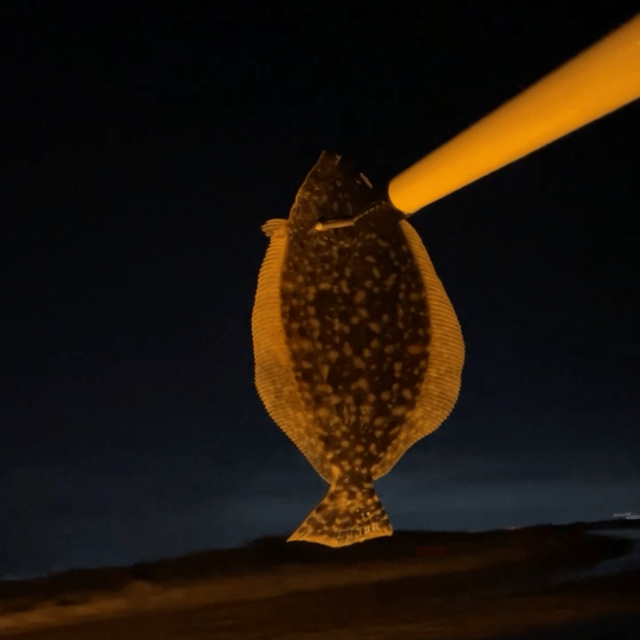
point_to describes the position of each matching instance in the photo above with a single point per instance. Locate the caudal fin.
(345, 516)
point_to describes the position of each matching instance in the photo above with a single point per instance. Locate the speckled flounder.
(358, 352)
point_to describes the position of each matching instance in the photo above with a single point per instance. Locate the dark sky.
(141, 152)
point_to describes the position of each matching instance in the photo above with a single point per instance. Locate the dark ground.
(507, 594)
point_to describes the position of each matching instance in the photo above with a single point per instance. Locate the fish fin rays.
(338, 521)
(441, 385)
(274, 377)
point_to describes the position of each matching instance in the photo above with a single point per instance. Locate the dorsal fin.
(274, 377)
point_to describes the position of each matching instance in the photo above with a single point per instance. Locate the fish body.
(358, 351)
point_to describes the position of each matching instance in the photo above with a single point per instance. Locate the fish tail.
(344, 516)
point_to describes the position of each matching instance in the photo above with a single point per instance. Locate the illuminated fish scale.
(358, 350)
(348, 359)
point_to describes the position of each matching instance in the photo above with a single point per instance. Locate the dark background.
(141, 151)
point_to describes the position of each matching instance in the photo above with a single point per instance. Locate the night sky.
(141, 152)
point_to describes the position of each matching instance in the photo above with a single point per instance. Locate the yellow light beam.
(601, 79)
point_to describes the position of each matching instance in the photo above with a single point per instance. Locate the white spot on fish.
(390, 280)
(360, 384)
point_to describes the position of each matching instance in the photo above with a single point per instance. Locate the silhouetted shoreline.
(301, 585)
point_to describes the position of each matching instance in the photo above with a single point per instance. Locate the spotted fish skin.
(358, 351)
(349, 512)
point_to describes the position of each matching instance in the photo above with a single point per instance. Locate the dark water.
(629, 562)
(620, 627)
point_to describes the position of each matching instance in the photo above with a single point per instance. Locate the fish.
(358, 352)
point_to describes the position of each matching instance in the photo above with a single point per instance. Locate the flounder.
(358, 351)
